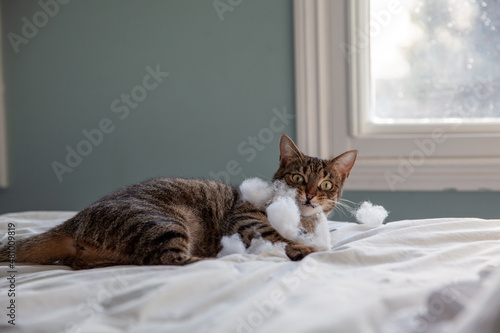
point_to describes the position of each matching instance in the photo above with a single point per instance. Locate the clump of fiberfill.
(283, 214)
(257, 191)
(370, 215)
(233, 244)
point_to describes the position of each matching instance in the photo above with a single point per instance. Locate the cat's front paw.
(298, 251)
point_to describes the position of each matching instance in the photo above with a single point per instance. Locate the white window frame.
(329, 95)
(3, 135)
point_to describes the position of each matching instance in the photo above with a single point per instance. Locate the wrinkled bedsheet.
(433, 275)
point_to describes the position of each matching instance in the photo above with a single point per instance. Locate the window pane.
(435, 61)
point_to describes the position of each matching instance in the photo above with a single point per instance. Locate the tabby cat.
(171, 221)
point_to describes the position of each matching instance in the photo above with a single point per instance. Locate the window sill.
(425, 174)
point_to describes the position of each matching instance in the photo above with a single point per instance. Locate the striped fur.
(172, 221)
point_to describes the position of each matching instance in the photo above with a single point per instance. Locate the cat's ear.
(288, 150)
(344, 163)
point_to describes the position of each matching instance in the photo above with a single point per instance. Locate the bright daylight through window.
(435, 62)
(413, 85)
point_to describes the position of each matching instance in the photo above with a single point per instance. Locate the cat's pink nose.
(309, 196)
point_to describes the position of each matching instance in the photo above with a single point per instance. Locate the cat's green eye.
(326, 185)
(297, 179)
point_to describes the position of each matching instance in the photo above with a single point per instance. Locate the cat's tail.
(46, 248)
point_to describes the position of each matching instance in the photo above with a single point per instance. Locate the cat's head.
(318, 182)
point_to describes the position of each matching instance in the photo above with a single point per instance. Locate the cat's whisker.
(343, 206)
(342, 213)
(341, 202)
(349, 201)
(345, 209)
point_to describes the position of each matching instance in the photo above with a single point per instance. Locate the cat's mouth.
(308, 208)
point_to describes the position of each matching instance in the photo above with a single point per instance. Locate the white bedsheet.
(406, 276)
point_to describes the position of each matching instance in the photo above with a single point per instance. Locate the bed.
(432, 275)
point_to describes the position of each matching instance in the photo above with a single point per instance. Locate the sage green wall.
(228, 95)
(225, 79)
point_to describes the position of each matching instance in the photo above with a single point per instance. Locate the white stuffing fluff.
(256, 191)
(321, 239)
(371, 215)
(282, 190)
(262, 246)
(283, 214)
(234, 245)
(231, 244)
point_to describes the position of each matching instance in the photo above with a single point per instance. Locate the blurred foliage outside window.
(435, 61)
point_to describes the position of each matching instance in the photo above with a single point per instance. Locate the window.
(434, 63)
(412, 85)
